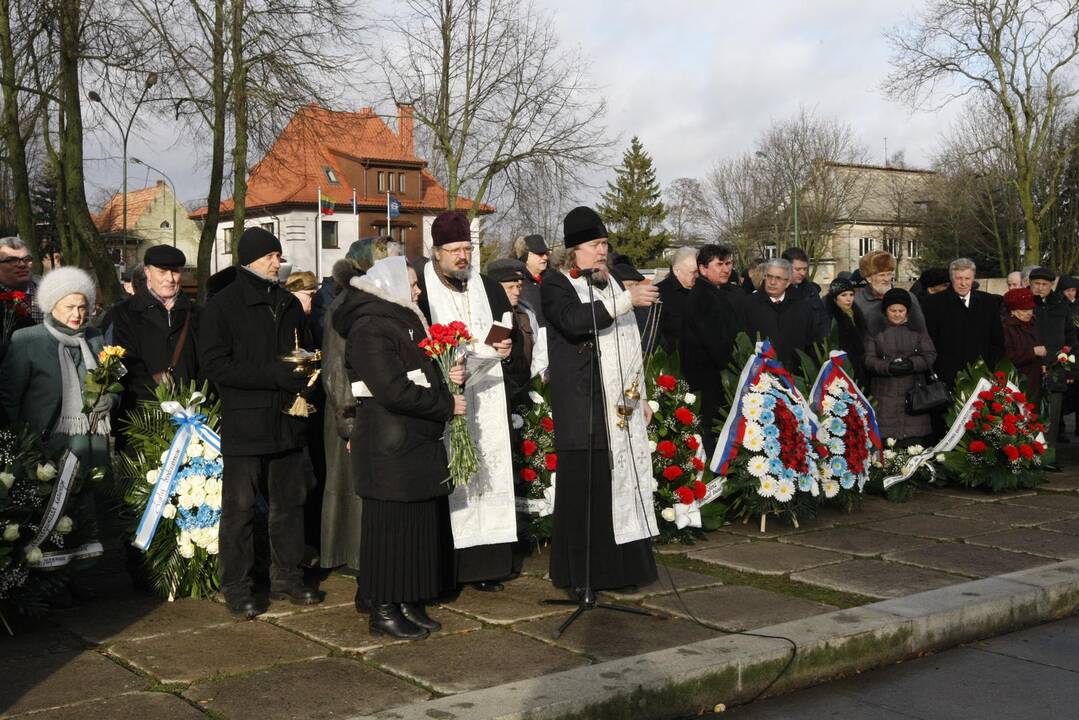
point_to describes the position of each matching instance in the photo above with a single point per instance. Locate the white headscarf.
(389, 277)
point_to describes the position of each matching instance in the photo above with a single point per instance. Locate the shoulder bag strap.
(180, 343)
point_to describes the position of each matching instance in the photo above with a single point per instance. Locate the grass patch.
(774, 583)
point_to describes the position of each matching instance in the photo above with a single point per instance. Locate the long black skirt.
(612, 566)
(402, 550)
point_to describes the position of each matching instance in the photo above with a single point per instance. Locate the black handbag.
(928, 393)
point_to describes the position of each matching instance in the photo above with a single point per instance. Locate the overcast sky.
(696, 80)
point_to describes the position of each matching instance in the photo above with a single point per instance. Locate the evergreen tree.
(632, 208)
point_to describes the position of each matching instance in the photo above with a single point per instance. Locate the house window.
(331, 176)
(228, 242)
(397, 233)
(865, 245)
(381, 181)
(165, 225)
(329, 234)
(268, 227)
(912, 248)
(892, 246)
(400, 182)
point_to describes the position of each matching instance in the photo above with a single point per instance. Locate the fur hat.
(895, 296)
(64, 281)
(875, 262)
(302, 280)
(1019, 299)
(450, 227)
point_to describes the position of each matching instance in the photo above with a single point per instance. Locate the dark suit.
(963, 334)
(788, 324)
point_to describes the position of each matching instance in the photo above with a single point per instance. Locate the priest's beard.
(458, 274)
(601, 278)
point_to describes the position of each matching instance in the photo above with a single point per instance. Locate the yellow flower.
(111, 351)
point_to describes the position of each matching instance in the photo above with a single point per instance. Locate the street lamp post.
(172, 187)
(794, 196)
(125, 132)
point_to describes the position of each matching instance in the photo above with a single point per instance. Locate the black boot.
(363, 605)
(297, 593)
(386, 619)
(416, 614)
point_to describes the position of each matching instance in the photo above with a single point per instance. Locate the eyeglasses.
(467, 250)
(27, 260)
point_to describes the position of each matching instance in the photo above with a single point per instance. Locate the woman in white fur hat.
(43, 370)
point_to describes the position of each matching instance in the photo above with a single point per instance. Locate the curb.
(732, 669)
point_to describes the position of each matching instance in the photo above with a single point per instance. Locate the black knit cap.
(165, 256)
(1067, 282)
(895, 296)
(450, 227)
(506, 270)
(840, 286)
(256, 242)
(931, 277)
(1042, 273)
(581, 225)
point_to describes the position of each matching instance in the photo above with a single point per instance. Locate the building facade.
(154, 217)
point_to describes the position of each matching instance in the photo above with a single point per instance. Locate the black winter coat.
(570, 347)
(714, 317)
(150, 333)
(674, 298)
(1052, 316)
(242, 331)
(397, 449)
(809, 292)
(851, 334)
(964, 335)
(788, 324)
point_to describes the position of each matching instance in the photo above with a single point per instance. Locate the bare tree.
(686, 211)
(491, 89)
(1016, 53)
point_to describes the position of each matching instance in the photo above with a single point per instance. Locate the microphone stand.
(586, 598)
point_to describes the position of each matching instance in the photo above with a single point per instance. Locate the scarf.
(73, 421)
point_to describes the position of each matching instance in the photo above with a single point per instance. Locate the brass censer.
(631, 399)
(306, 362)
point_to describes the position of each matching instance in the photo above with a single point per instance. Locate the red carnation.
(986, 428)
(985, 395)
(1000, 376)
(978, 405)
(1026, 451)
(552, 462)
(698, 464)
(1011, 452)
(1020, 397)
(547, 424)
(528, 474)
(997, 407)
(672, 473)
(685, 495)
(666, 448)
(692, 444)
(684, 416)
(970, 425)
(1038, 447)
(667, 382)
(977, 446)
(699, 489)
(528, 447)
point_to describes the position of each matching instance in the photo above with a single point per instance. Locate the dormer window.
(331, 176)
(165, 225)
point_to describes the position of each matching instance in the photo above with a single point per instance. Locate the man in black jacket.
(803, 288)
(244, 329)
(673, 293)
(714, 316)
(1052, 321)
(964, 323)
(157, 326)
(774, 315)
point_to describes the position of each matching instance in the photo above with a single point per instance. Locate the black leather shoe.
(297, 594)
(489, 586)
(363, 605)
(416, 614)
(245, 608)
(386, 619)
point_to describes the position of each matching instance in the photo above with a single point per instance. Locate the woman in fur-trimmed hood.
(398, 458)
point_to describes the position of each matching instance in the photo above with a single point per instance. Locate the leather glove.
(288, 380)
(901, 366)
(105, 403)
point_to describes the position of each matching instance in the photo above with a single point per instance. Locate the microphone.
(579, 273)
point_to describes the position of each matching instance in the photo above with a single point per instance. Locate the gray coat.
(890, 391)
(868, 302)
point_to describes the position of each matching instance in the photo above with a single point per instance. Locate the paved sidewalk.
(126, 655)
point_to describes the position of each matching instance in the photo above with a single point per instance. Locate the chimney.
(405, 129)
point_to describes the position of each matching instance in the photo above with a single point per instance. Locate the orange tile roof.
(111, 217)
(292, 171)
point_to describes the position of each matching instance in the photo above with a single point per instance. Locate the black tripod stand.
(586, 599)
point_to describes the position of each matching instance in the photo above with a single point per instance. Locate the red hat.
(1019, 299)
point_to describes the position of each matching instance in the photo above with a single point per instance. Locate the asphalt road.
(1031, 674)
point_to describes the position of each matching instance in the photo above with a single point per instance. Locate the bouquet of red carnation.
(1058, 372)
(535, 459)
(444, 346)
(16, 304)
(1002, 447)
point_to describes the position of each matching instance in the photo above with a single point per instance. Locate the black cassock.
(481, 562)
(570, 344)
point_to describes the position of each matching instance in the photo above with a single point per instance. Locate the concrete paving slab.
(481, 659)
(1069, 526)
(225, 650)
(976, 495)
(1061, 485)
(774, 528)
(710, 540)
(606, 634)
(538, 563)
(935, 527)
(48, 681)
(856, 541)
(1005, 514)
(873, 508)
(1050, 644)
(969, 560)
(768, 558)
(876, 578)
(38, 639)
(132, 706)
(737, 607)
(670, 578)
(929, 501)
(521, 600)
(1049, 501)
(142, 617)
(323, 688)
(345, 629)
(340, 590)
(1033, 541)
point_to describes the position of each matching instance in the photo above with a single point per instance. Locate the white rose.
(517, 421)
(891, 442)
(654, 405)
(209, 453)
(151, 475)
(163, 456)
(65, 525)
(46, 472)
(11, 532)
(212, 547)
(889, 454)
(197, 497)
(33, 555)
(169, 511)
(194, 450)
(940, 457)
(187, 550)
(7, 479)
(668, 514)
(690, 398)
(535, 397)
(915, 450)
(652, 445)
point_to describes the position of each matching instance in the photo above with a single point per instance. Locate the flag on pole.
(325, 204)
(354, 211)
(393, 206)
